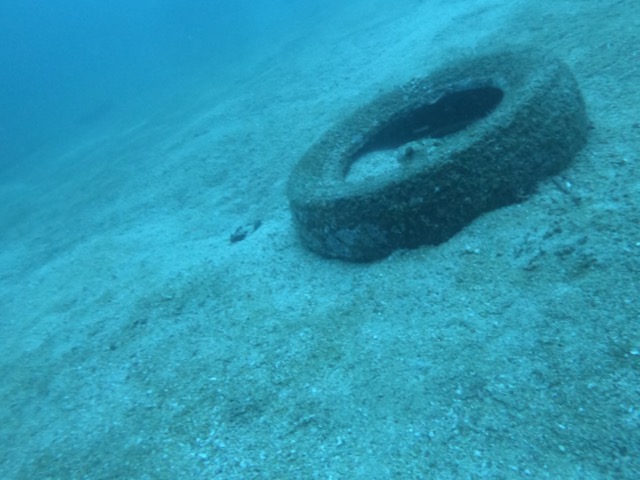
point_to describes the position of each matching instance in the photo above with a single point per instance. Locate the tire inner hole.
(416, 133)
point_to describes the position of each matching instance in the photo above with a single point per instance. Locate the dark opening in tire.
(447, 115)
(452, 112)
(417, 164)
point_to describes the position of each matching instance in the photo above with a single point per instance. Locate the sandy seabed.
(138, 342)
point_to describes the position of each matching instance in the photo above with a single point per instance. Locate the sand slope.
(138, 342)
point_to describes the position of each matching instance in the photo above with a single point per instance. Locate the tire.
(417, 164)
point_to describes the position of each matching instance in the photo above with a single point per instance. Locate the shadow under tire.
(417, 164)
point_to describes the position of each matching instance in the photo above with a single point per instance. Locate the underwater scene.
(304, 239)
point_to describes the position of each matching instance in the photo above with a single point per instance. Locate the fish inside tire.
(417, 164)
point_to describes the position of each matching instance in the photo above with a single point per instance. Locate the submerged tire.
(417, 164)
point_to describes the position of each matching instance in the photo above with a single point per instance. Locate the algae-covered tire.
(417, 164)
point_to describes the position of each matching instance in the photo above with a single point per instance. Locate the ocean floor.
(138, 342)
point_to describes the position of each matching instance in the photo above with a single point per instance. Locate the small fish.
(242, 232)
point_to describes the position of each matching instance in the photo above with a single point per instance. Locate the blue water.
(69, 64)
